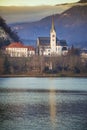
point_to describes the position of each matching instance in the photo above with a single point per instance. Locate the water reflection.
(47, 107)
(52, 101)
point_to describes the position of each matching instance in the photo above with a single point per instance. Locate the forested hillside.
(6, 34)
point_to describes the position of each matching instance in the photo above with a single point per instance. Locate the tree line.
(68, 65)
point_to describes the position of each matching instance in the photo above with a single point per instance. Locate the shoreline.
(43, 75)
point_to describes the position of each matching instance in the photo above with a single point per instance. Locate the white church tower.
(53, 38)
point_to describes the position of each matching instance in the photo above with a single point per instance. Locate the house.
(51, 45)
(19, 50)
(84, 53)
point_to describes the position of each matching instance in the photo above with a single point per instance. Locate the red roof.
(19, 45)
(15, 45)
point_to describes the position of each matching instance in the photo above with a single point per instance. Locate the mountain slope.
(70, 25)
(83, 1)
(14, 14)
(6, 34)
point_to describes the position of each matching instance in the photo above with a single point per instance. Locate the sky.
(33, 2)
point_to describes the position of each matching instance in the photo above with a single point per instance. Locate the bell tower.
(53, 37)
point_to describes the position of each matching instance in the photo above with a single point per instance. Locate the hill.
(6, 34)
(15, 14)
(70, 25)
(82, 1)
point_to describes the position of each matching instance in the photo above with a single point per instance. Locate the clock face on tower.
(53, 35)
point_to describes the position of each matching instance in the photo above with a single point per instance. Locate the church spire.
(53, 37)
(53, 27)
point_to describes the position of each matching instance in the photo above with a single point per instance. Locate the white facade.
(19, 50)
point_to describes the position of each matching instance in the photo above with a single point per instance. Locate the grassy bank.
(45, 75)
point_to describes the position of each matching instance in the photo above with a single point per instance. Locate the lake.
(43, 103)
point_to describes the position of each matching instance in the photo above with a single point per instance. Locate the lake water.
(43, 103)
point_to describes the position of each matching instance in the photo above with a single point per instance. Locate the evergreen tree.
(8, 30)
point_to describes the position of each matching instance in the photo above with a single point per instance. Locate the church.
(49, 46)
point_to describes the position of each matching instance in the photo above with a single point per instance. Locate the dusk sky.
(33, 2)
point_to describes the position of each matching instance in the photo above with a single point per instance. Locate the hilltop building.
(51, 45)
(19, 50)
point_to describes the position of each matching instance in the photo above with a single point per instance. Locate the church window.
(53, 39)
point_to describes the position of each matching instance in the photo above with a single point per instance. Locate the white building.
(84, 54)
(19, 50)
(51, 45)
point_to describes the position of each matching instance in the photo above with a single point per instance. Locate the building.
(51, 45)
(19, 50)
(84, 53)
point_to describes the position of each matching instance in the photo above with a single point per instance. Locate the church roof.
(44, 41)
(52, 27)
(62, 43)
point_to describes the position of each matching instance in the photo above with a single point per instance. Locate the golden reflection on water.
(52, 103)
